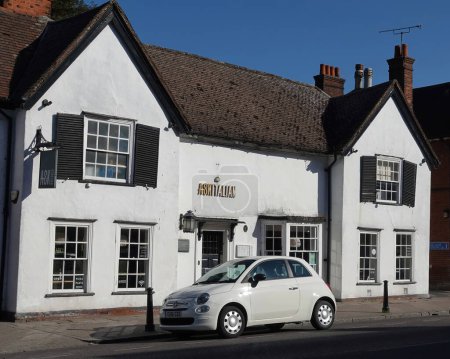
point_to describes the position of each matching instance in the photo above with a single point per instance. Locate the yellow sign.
(216, 190)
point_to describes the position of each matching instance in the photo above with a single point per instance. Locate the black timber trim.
(146, 156)
(409, 177)
(294, 219)
(118, 221)
(369, 229)
(408, 230)
(77, 220)
(109, 183)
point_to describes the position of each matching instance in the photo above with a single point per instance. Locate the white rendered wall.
(387, 135)
(101, 80)
(282, 184)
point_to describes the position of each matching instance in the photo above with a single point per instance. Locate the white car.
(250, 291)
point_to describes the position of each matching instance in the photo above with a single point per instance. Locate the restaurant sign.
(47, 170)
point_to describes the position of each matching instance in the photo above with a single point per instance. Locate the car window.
(298, 269)
(272, 269)
(227, 272)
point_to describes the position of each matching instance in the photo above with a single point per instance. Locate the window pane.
(113, 144)
(122, 173)
(141, 281)
(59, 250)
(122, 282)
(90, 156)
(92, 127)
(101, 157)
(81, 251)
(124, 132)
(132, 267)
(103, 129)
(112, 159)
(122, 160)
(133, 250)
(68, 282)
(143, 251)
(114, 130)
(123, 146)
(82, 234)
(134, 237)
(91, 142)
(111, 172)
(123, 250)
(123, 266)
(90, 170)
(68, 267)
(131, 281)
(102, 143)
(79, 267)
(60, 234)
(101, 171)
(70, 250)
(57, 266)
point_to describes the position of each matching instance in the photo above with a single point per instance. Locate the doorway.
(212, 250)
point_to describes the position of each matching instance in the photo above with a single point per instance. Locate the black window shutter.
(368, 178)
(409, 184)
(69, 135)
(146, 156)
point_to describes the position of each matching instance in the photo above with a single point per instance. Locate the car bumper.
(188, 320)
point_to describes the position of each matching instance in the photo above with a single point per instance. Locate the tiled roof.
(52, 48)
(431, 106)
(231, 102)
(16, 33)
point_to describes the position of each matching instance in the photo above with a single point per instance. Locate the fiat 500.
(246, 292)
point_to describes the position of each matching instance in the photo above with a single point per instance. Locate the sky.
(291, 38)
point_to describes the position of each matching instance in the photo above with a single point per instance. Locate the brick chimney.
(29, 7)
(401, 69)
(329, 81)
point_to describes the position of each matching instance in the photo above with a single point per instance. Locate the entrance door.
(212, 250)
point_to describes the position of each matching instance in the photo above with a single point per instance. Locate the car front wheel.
(231, 322)
(323, 315)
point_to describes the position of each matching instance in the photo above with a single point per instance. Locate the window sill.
(369, 283)
(107, 183)
(404, 283)
(131, 292)
(72, 294)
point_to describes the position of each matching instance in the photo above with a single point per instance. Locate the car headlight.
(202, 298)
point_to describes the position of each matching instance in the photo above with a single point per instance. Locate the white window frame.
(283, 236)
(130, 154)
(399, 162)
(285, 239)
(317, 266)
(411, 256)
(377, 258)
(87, 275)
(148, 261)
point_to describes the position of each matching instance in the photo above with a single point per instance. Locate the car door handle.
(293, 288)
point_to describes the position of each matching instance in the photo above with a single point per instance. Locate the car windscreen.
(227, 272)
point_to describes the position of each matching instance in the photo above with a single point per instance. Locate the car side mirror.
(257, 278)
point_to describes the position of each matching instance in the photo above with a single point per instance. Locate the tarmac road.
(411, 338)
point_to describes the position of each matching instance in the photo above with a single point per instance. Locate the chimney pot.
(404, 50)
(332, 73)
(327, 69)
(358, 76)
(368, 73)
(337, 72)
(322, 69)
(397, 51)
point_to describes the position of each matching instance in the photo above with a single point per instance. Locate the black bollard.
(150, 325)
(385, 298)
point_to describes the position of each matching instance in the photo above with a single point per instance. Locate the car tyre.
(275, 327)
(323, 315)
(231, 322)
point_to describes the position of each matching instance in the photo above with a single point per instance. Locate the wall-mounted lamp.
(188, 221)
(41, 142)
(46, 102)
(446, 213)
(422, 162)
(14, 196)
(217, 179)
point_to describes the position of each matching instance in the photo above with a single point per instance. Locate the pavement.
(65, 332)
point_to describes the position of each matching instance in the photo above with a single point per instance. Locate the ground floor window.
(295, 240)
(403, 257)
(368, 256)
(134, 254)
(70, 257)
(303, 243)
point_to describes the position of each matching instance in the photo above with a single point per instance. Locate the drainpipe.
(328, 170)
(9, 120)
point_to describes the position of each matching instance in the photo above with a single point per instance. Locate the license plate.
(173, 314)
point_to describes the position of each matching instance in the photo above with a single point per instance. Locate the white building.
(144, 134)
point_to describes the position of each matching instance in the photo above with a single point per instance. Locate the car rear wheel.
(323, 315)
(231, 322)
(275, 327)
